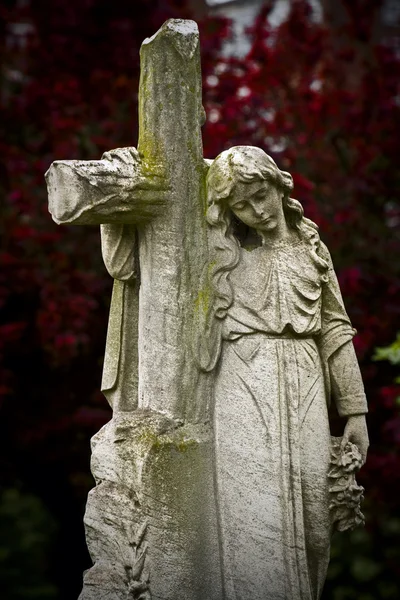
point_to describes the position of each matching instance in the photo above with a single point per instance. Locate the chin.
(268, 226)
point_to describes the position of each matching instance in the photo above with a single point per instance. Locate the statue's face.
(258, 204)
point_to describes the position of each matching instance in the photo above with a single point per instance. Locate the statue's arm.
(349, 395)
(337, 349)
(346, 382)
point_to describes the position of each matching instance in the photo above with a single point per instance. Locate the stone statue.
(280, 340)
(216, 478)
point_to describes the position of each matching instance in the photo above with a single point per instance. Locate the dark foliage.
(324, 101)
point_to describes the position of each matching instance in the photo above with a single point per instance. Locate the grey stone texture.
(217, 478)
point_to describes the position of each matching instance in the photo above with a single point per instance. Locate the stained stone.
(217, 477)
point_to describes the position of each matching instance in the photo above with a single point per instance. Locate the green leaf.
(390, 353)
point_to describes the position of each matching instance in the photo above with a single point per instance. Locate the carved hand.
(356, 432)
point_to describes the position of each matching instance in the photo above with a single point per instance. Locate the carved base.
(150, 521)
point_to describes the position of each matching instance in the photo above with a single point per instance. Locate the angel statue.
(279, 341)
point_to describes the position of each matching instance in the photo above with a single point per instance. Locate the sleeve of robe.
(120, 370)
(336, 347)
(118, 250)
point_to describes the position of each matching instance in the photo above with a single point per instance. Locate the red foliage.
(322, 100)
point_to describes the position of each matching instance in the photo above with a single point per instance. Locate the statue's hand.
(356, 432)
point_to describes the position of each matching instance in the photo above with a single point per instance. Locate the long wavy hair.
(245, 164)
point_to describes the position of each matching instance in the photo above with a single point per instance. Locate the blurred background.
(315, 84)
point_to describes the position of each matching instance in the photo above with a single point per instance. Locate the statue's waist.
(285, 335)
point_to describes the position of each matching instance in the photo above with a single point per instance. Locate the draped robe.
(286, 325)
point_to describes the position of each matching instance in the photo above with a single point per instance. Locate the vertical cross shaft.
(172, 247)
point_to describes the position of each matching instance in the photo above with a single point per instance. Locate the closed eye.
(240, 205)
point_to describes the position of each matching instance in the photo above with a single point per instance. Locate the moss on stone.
(202, 301)
(176, 440)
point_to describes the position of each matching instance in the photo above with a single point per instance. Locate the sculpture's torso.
(277, 290)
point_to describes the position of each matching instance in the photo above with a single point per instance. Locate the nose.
(259, 211)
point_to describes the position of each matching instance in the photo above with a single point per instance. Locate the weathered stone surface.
(278, 338)
(119, 188)
(150, 203)
(173, 246)
(151, 477)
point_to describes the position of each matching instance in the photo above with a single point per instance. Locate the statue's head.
(245, 181)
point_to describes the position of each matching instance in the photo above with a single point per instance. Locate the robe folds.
(272, 438)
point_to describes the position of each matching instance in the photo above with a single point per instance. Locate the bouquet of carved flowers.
(345, 494)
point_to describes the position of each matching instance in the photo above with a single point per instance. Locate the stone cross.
(150, 516)
(150, 203)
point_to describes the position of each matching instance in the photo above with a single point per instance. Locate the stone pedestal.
(150, 520)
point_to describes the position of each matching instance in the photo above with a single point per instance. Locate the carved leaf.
(138, 566)
(139, 534)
